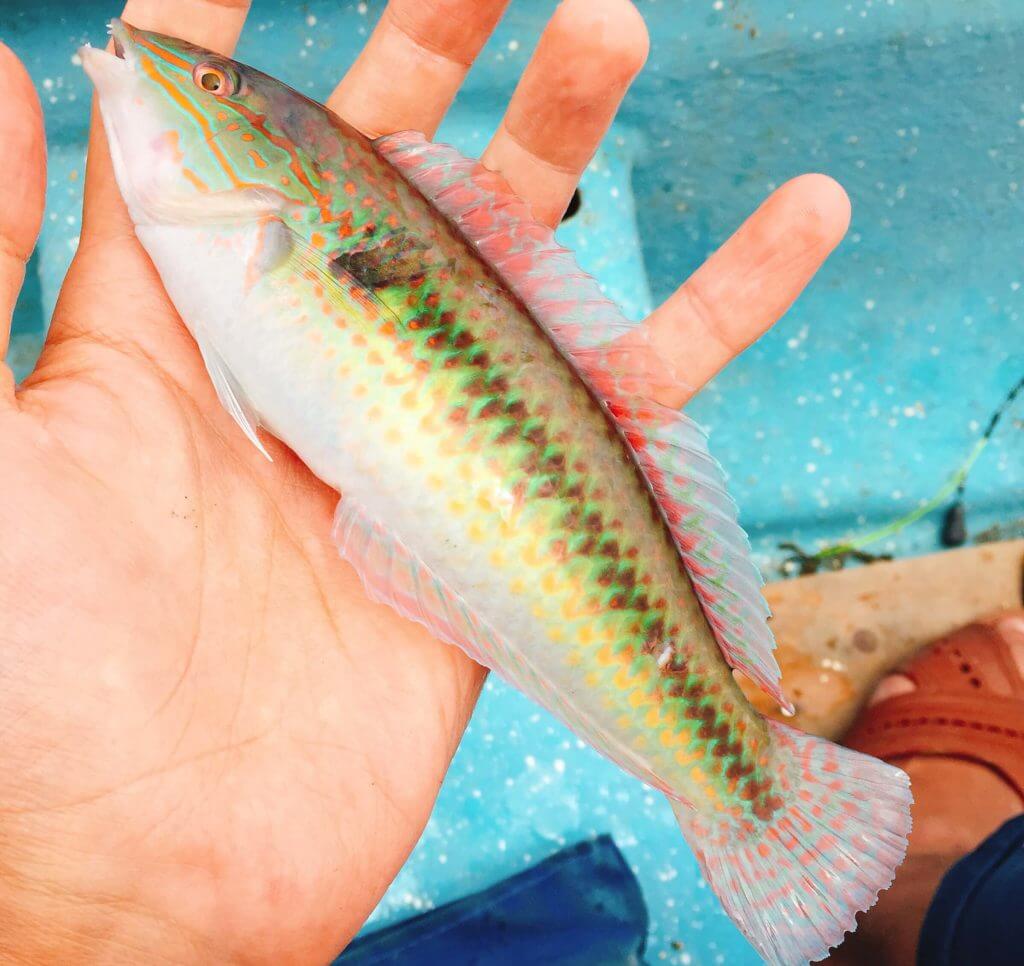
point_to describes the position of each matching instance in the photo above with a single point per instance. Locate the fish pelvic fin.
(794, 882)
(231, 394)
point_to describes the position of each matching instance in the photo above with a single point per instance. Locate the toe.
(891, 686)
(1011, 628)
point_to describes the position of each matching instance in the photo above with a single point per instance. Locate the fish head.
(195, 136)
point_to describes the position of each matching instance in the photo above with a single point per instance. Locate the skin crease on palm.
(213, 747)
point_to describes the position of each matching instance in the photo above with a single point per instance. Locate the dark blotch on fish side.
(395, 260)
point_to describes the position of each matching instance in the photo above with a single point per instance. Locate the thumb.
(22, 189)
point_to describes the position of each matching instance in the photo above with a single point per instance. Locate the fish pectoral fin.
(351, 297)
(231, 395)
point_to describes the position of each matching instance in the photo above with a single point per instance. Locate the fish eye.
(216, 79)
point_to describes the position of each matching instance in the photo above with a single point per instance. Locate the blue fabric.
(976, 914)
(580, 907)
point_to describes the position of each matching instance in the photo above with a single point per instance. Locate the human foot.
(961, 800)
(953, 718)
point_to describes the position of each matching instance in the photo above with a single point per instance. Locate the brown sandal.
(968, 703)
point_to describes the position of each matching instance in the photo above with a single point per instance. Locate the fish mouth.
(115, 75)
(121, 34)
(98, 62)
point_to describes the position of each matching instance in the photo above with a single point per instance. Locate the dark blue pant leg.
(581, 907)
(977, 915)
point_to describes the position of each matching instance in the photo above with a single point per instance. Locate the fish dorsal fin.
(524, 252)
(690, 486)
(589, 328)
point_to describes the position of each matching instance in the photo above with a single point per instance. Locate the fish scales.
(378, 306)
(477, 403)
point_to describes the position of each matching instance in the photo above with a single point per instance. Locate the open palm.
(211, 744)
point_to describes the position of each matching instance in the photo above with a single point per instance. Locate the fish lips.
(131, 129)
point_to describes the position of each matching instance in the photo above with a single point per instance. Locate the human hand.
(212, 746)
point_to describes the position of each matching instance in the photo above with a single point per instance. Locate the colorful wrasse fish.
(392, 312)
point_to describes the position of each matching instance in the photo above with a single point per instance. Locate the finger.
(586, 59)
(413, 64)
(743, 288)
(22, 189)
(215, 24)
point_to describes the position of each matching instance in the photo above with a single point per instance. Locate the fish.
(391, 311)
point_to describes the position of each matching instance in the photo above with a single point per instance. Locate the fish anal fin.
(393, 574)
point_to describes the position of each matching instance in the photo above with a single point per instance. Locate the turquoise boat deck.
(865, 398)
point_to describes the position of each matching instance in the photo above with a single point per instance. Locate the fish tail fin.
(794, 883)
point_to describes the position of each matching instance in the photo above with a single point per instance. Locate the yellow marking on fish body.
(195, 180)
(670, 737)
(623, 680)
(531, 555)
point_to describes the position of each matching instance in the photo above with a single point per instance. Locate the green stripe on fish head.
(196, 135)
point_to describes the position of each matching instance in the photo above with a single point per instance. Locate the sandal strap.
(974, 660)
(982, 727)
